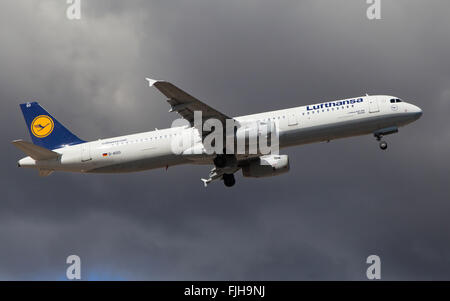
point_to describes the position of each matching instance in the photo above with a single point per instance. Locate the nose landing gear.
(383, 132)
(383, 144)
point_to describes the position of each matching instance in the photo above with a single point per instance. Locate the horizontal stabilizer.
(45, 172)
(34, 151)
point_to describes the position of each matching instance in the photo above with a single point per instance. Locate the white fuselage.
(300, 125)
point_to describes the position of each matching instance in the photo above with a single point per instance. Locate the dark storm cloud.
(339, 203)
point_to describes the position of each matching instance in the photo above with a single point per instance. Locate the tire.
(383, 145)
(229, 180)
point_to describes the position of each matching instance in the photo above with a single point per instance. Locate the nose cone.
(415, 111)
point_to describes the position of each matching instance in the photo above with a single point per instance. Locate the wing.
(185, 104)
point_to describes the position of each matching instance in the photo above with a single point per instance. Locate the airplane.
(55, 148)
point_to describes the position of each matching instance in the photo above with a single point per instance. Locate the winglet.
(151, 82)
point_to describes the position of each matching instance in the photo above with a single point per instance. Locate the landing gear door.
(373, 105)
(85, 152)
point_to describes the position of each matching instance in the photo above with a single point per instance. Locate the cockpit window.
(398, 100)
(392, 100)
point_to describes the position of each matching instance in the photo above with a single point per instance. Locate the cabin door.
(85, 152)
(373, 105)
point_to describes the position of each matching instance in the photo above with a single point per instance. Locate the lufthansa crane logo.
(42, 126)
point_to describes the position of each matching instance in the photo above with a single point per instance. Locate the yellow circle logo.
(42, 126)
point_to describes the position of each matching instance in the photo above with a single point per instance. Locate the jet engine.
(267, 166)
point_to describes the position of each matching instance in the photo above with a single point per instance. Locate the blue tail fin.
(44, 129)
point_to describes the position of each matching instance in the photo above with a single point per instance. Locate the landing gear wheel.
(383, 145)
(228, 180)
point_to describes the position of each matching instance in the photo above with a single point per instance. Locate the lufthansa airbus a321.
(55, 148)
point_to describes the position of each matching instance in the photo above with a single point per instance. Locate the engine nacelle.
(267, 166)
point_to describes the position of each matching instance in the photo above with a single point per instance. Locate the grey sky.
(340, 202)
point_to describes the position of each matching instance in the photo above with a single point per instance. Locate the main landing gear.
(224, 160)
(227, 164)
(228, 179)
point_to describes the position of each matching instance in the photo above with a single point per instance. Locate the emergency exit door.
(292, 119)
